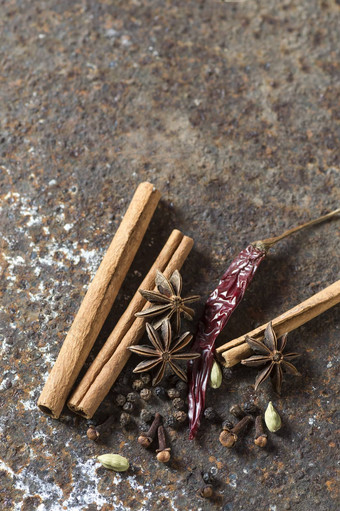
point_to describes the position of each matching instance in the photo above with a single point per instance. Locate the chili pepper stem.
(269, 242)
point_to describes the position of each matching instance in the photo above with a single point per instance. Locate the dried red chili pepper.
(220, 305)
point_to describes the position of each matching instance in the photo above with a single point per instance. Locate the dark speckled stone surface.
(232, 110)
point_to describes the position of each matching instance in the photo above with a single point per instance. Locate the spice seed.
(138, 385)
(146, 378)
(160, 392)
(145, 394)
(132, 397)
(173, 393)
(178, 403)
(120, 400)
(125, 419)
(210, 414)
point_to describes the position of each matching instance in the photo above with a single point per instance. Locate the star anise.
(271, 353)
(163, 353)
(167, 302)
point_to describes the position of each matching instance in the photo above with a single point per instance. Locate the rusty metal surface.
(232, 111)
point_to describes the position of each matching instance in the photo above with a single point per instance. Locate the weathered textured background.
(232, 111)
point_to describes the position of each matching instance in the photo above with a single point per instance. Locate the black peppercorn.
(137, 385)
(125, 419)
(128, 407)
(120, 400)
(146, 378)
(182, 388)
(227, 373)
(180, 416)
(178, 403)
(173, 393)
(210, 414)
(159, 392)
(146, 415)
(132, 397)
(145, 394)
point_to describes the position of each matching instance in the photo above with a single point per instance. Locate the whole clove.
(145, 394)
(178, 403)
(145, 439)
(180, 416)
(260, 436)
(163, 452)
(94, 432)
(229, 437)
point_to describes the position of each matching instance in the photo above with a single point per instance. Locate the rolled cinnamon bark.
(113, 367)
(98, 300)
(236, 350)
(126, 320)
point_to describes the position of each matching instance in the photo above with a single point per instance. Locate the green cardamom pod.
(272, 418)
(114, 462)
(215, 376)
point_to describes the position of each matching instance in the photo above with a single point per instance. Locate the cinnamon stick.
(236, 350)
(110, 371)
(126, 320)
(98, 299)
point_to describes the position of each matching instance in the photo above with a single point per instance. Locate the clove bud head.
(114, 462)
(227, 438)
(144, 441)
(92, 434)
(164, 455)
(261, 441)
(272, 418)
